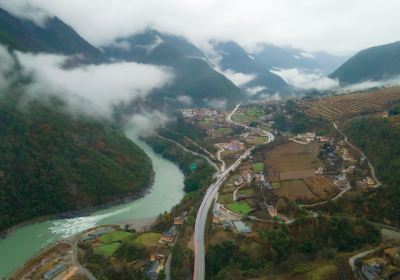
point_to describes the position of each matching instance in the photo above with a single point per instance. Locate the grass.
(115, 236)
(246, 192)
(248, 115)
(225, 198)
(107, 249)
(276, 185)
(258, 167)
(321, 272)
(294, 190)
(147, 239)
(222, 131)
(241, 207)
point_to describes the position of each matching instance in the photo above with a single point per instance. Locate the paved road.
(74, 243)
(199, 255)
(189, 151)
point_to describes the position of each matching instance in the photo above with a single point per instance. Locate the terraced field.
(341, 107)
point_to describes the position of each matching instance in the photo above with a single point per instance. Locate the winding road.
(199, 254)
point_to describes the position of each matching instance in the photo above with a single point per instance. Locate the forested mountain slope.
(54, 37)
(193, 76)
(52, 162)
(376, 63)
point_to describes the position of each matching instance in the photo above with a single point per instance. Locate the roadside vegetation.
(308, 249)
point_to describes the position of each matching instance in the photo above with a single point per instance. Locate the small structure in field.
(241, 227)
(370, 181)
(51, 274)
(168, 236)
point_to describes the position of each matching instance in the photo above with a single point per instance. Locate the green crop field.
(247, 192)
(115, 236)
(258, 167)
(241, 207)
(248, 115)
(147, 239)
(225, 198)
(107, 249)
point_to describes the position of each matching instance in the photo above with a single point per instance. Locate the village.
(306, 169)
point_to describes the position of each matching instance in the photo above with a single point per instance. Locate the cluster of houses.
(201, 113)
(308, 137)
(169, 236)
(385, 265)
(233, 146)
(156, 265)
(227, 223)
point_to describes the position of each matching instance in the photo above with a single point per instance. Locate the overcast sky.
(333, 25)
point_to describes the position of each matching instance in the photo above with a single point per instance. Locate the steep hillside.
(52, 162)
(55, 37)
(376, 63)
(378, 138)
(234, 57)
(193, 76)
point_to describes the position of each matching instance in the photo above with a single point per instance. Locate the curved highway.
(199, 255)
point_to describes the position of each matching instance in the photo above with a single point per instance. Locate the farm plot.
(248, 114)
(341, 107)
(294, 190)
(225, 198)
(146, 239)
(115, 236)
(241, 207)
(249, 192)
(107, 250)
(292, 161)
(322, 187)
(110, 242)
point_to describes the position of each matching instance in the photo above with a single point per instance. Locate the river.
(167, 191)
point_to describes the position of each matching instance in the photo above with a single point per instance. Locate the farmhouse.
(372, 268)
(307, 137)
(51, 274)
(319, 171)
(322, 139)
(241, 227)
(235, 146)
(370, 181)
(153, 269)
(157, 257)
(168, 236)
(340, 180)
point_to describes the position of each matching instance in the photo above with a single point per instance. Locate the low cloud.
(7, 63)
(216, 103)
(148, 120)
(184, 99)
(102, 86)
(25, 9)
(395, 81)
(239, 79)
(254, 90)
(306, 79)
(270, 97)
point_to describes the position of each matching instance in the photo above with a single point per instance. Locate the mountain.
(52, 161)
(193, 76)
(376, 63)
(233, 57)
(286, 57)
(55, 37)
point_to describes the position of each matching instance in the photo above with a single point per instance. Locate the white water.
(167, 191)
